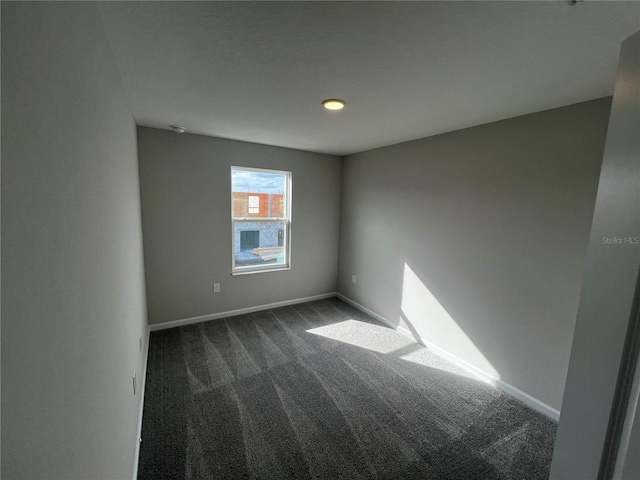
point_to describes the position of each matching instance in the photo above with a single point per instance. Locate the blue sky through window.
(261, 182)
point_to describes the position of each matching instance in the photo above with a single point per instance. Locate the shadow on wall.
(424, 316)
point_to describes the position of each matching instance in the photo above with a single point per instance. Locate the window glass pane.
(258, 194)
(259, 243)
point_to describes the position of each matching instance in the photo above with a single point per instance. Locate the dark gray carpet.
(320, 390)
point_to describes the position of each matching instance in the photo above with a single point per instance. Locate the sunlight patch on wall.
(423, 315)
(364, 335)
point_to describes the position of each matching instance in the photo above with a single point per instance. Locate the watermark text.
(620, 240)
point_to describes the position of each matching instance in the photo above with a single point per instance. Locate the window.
(261, 219)
(254, 204)
(249, 239)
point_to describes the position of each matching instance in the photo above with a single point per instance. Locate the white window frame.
(271, 267)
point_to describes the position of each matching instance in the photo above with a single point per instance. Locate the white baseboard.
(233, 313)
(142, 390)
(478, 373)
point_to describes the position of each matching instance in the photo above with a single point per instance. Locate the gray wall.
(608, 285)
(73, 303)
(476, 239)
(186, 209)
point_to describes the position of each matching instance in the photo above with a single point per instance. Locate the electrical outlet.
(353, 279)
(134, 382)
(216, 288)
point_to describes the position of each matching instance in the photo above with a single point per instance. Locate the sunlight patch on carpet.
(364, 335)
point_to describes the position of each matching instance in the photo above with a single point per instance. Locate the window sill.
(261, 270)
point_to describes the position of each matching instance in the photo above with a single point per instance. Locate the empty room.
(320, 240)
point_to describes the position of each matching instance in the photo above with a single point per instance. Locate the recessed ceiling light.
(333, 104)
(178, 128)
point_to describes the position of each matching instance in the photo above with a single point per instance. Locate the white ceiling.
(257, 71)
